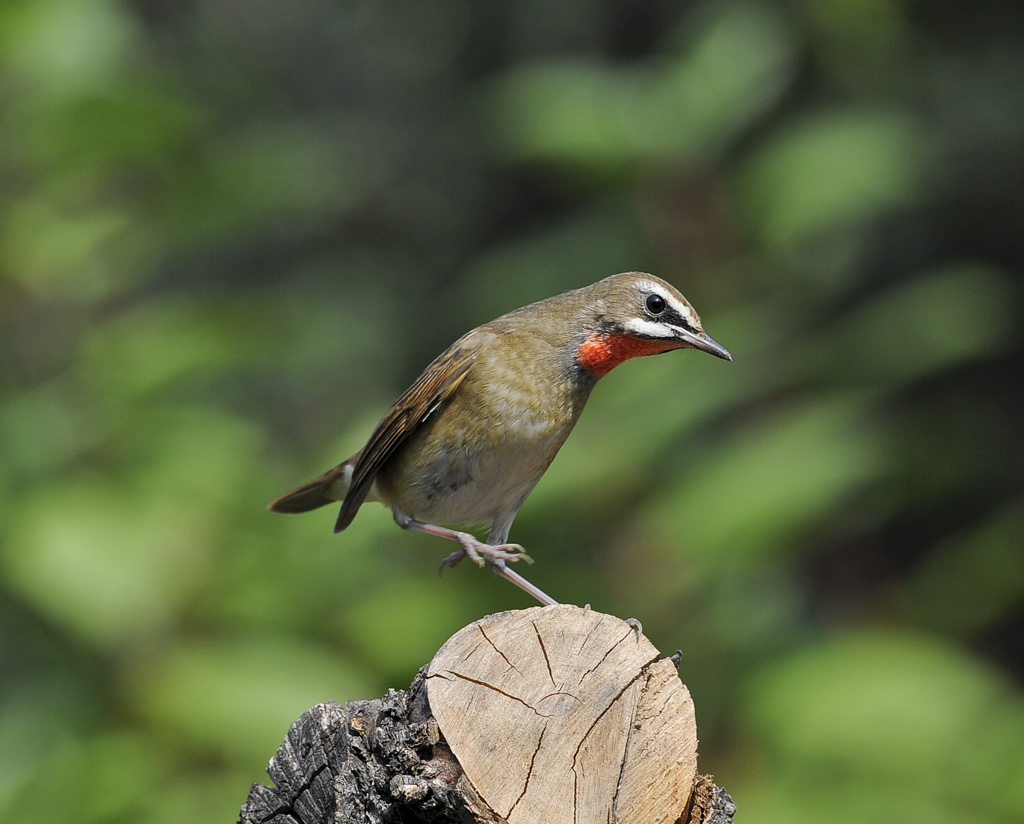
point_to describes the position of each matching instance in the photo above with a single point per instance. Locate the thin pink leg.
(494, 556)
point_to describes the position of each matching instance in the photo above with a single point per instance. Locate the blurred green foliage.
(231, 234)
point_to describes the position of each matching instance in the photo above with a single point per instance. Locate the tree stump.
(541, 716)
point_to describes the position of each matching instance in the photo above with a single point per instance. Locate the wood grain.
(562, 714)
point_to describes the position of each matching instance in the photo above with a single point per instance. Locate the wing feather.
(438, 381)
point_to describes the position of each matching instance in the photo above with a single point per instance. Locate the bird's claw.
(489, 553)
(483, 553)
(503, 552)
(451, 560)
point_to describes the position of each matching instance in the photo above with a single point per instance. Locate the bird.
(468, 441)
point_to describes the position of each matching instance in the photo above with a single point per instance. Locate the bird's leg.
(501, 568)
(494, 555)
(472, 546)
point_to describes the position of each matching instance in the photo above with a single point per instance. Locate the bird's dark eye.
(655, 304)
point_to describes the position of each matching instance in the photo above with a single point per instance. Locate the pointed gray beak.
(703, 342)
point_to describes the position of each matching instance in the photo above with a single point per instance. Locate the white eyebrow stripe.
(684, 310)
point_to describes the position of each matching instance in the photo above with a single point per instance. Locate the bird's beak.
(703, 342)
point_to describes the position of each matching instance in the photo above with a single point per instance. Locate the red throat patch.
(601, 352)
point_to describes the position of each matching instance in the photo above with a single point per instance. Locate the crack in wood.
(641, 673)
(604, 657)
(491, 687)
(586, 638)
(575, 698)
(629, 738)
(544, 652)
(495, 648)
(529, 773)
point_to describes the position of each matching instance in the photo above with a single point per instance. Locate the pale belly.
(457, 480)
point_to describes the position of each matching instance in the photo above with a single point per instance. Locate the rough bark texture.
(545, 715)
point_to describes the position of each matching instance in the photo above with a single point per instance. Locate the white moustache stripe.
(648, 328)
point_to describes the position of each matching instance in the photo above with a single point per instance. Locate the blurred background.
(231, 233)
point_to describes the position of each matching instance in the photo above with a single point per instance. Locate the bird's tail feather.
(328, 488)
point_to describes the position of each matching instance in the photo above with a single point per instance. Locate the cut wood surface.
(548, 715)
(561, 714)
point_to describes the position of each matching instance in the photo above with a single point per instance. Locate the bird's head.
(635, 314)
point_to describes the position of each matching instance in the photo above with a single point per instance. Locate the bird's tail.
(328, 488)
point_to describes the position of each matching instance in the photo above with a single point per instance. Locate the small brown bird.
(469, 440)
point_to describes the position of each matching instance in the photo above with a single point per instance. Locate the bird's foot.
(483, 553)
(487, 553)
(494, 555)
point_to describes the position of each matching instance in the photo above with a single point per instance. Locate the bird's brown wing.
(431, 389)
